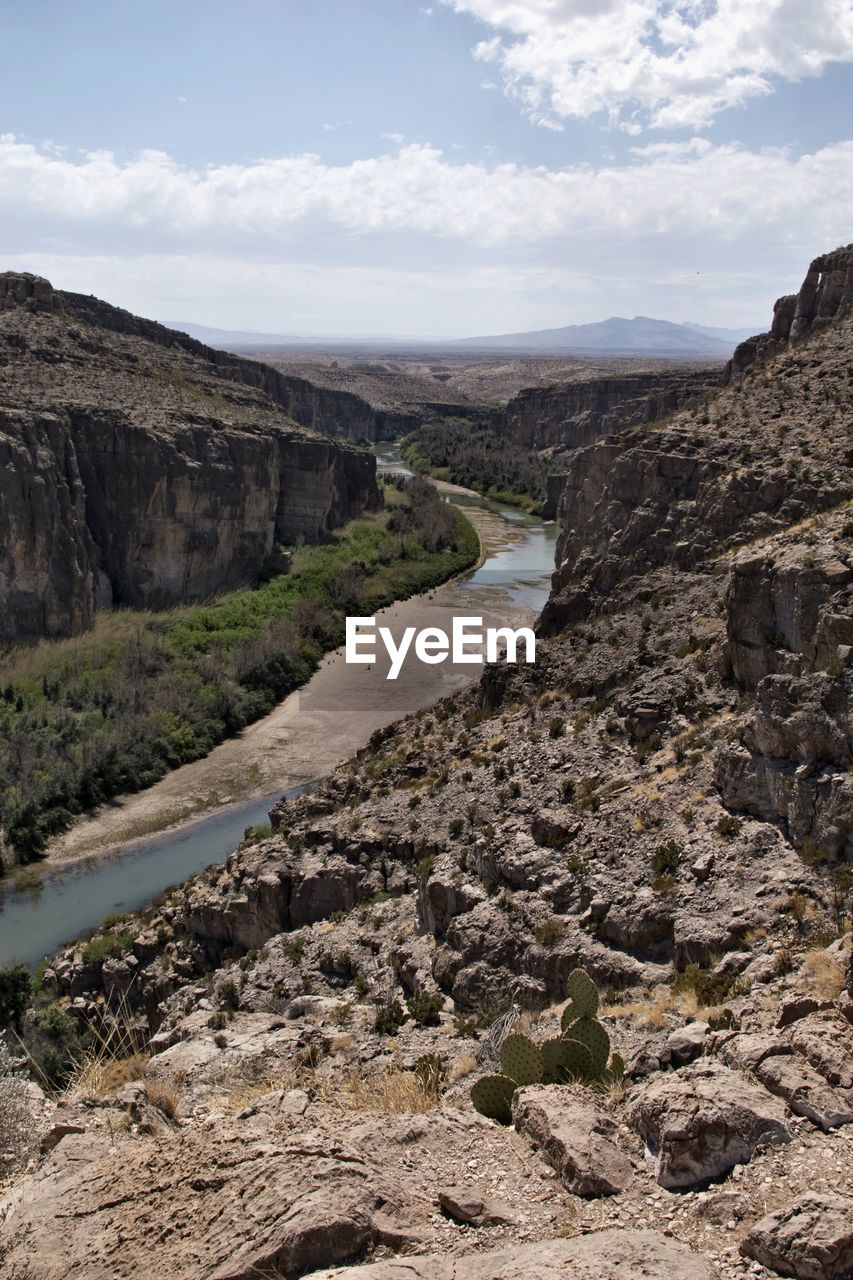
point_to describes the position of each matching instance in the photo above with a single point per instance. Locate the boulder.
(703, 1120)
(575, 1136)
(806, 1092)
(811, 1239)
(468, 1205)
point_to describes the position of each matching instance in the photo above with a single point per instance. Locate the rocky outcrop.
(790, 639)
(575, 1137)
(132, 471)
(825, 296)
(570, 415)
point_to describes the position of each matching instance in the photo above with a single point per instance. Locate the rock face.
(811, 1239)
(790, 639)
(571, 415)
(134, 472)
(825, 296)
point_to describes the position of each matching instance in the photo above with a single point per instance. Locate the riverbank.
(312, 730)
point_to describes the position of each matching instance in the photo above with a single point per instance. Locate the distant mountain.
(616, 336)
(725, 335)
(228, 338)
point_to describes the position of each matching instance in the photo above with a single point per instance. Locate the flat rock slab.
(702, 1121)
(575, 1136)
(213, 1203)
(604, 1255)
(811, 1239)
(806, 1092)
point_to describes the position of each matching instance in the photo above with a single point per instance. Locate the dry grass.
(462, 1067)
(824, 974)
(393, 1091)
(163, 1094)
(654, 1014)
(101, 1077)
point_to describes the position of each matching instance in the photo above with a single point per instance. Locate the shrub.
(425, 1007)
(728, 825)
(15, 994)
(53, 1043)
(666, 857)
(104, 946)
(390, 1018)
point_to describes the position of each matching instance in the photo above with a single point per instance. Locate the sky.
(454, 168)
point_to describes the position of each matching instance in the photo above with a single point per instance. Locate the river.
(100, 867)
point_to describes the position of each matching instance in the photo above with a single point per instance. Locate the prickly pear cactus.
(616, 1069)
(592, 1035)
(521, 1060)
(575, 1063)
(492, 1096)
(553, 1059)
(583, 993)
(570, 1015)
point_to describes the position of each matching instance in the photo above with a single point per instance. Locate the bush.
(666, 857)
(15, 994)
(53, 1043)
(105, 946)
(425, 1008)
(390, 1018)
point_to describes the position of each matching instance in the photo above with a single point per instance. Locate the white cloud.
(667, 63)
(689, 229)
(727, 191)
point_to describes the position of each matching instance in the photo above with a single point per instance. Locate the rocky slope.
(665, 799)
(139, 467)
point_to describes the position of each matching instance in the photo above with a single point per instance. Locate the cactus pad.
(583, 992)
(592, 1034)
(617, 1067)
(570, 1015)
(521, 1060)
(492, 1095)
(553, 1060)
(575, 1061)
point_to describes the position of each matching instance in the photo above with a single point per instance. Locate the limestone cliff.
(137, 469)
(825, 296)
(569, 415)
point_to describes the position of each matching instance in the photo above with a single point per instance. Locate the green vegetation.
(580, 1053)
(474, 455)
(15, 994)
(103, 946)
(85, 719)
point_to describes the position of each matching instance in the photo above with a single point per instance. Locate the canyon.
(663, 800)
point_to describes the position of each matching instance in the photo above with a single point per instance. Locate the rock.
(722, 1207)
(575, 1136)
(687, 1043)
(227, 1203)
(467, 1204)
(604, 1255)
(806, 1092)
(825, 1039)
(110, 491)
(811, 1239)
(57, 1132)
(703, 1120)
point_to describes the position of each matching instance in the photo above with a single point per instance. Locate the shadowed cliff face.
(134, 470)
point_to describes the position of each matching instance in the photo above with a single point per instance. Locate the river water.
(43, 908)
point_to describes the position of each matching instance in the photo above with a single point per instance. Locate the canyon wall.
(141, 479)
(571, 415)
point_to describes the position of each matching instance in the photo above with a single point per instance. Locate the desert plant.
(580, 1054)
(425, 1007)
